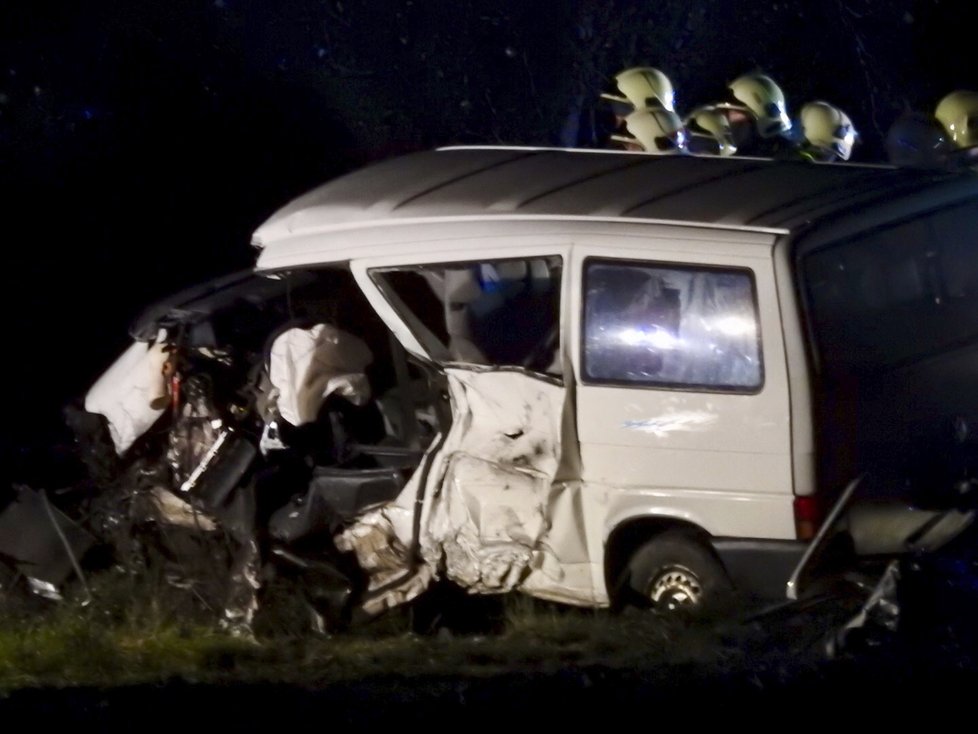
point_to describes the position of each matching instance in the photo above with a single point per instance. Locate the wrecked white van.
(593, 377)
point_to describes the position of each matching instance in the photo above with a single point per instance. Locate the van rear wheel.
(677, 572)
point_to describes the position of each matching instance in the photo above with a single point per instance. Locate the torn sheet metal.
(127, 392)
(880, 611)
(308, 365)
(175, 511)
(243, 586)
(382, 541)
(490, 499)
(488, 514)
(195, 432)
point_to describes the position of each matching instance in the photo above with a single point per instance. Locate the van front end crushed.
(231, 458)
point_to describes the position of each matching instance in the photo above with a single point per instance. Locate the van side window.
(498, 312)
(682, 326)
(897, 294)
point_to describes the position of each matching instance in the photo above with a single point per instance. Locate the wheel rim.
(674, 588)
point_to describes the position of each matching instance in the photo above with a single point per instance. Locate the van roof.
(483, 182)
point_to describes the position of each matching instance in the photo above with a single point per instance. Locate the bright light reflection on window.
(733, 325)
(654, 337)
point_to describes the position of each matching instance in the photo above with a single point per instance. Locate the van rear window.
(896, 295)
(657, 325)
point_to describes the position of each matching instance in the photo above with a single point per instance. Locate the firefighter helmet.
(828, 130)
(656, 130)
(918, 140)
(642, 86)
(709, 121)
(958, 113)
(764, 98)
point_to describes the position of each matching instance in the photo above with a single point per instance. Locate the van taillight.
(808, 516)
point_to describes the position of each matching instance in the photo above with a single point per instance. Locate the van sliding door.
(682, 400)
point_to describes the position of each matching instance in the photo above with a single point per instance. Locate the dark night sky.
(141, 141)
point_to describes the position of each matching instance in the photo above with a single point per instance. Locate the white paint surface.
(125, 392)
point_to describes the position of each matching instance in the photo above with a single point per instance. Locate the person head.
(958, 114)
(918, 140)
(828, 130)
(765, 101)
(710, 124)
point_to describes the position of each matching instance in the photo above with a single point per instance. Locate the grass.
(134, 633)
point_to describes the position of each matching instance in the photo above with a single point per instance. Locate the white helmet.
(764, 98)
(828, 129)
(709, 121)
(643, 86)
(656, 130)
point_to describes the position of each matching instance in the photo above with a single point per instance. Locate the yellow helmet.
(709, 121)
(643, 86)
(828, 129)
(765, 100)
(656, 130)
(958, 113)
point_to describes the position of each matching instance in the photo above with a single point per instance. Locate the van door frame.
(679, 247)
(591, 590)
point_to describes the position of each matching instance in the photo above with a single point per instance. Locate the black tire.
(677, 572)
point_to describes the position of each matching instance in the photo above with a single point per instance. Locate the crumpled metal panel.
(490, 503)
(487, 545)
(243, 586)
(488, 514)
(175, 511)
(379, 548)
(880, 612)
(195, 432)
(382, 542)
(381, 538)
